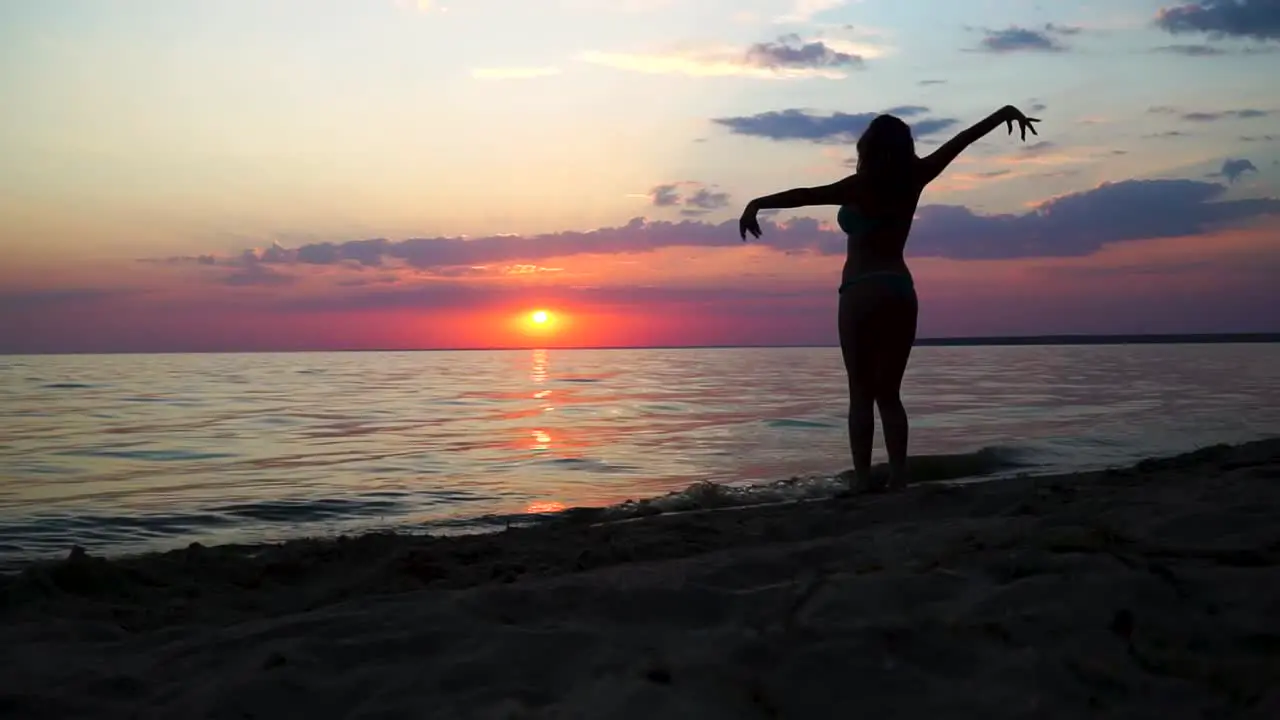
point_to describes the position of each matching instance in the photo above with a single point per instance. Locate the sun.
(539, 322)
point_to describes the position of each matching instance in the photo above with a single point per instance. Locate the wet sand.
(1152, 591)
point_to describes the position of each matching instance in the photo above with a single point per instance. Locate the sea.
(122, 454)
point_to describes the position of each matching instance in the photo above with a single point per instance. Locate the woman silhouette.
(878, 305)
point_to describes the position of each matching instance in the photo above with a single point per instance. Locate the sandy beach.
(1151, 591)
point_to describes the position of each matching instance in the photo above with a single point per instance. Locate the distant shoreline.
(1188, 339)
(979, 341)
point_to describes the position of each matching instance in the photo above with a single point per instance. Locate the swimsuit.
(856, 225)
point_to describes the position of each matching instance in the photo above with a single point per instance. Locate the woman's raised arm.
(937, 161)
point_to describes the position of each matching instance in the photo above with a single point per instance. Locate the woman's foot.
(857, 485)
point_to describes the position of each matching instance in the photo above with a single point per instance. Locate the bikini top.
(854, 222)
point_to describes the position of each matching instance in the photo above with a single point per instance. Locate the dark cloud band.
(1071, 225)
(1256, 19)
(1020, 39)
(839, 127)
(698, 200)
(790, 51)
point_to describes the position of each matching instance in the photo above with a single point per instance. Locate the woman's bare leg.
(857, 350)
(897, 336)
(862, 432)
(893, 416)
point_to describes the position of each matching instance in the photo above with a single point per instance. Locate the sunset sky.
(288, 174)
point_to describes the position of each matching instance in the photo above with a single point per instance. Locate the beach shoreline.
(1140, 591)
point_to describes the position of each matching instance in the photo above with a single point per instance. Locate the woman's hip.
(878, 294)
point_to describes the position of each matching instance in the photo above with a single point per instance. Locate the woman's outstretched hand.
(1013, 114)
(748, 223)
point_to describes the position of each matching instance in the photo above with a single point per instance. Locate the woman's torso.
(877, 233)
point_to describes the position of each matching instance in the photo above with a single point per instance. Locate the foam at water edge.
(986, 463)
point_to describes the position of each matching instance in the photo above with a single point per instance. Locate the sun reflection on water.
(544, 506)
(541, 440)
(540, 366)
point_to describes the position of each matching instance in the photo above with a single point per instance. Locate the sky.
(208, 175)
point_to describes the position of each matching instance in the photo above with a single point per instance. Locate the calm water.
(130, 452)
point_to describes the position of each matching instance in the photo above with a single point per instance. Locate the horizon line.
(963, 341)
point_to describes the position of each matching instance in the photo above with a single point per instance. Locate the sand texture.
(1149, 592)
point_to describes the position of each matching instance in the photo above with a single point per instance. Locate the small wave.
(304, 510)
(22, 540)
(664, 407)
(37, 467)
(67, 386)
(708, 495)
(794, 423)
(589, 465)
(152, 455)
(41, 535)
(959, 466)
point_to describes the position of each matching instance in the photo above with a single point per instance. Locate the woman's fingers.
(1028, 124)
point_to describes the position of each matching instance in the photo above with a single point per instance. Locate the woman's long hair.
(886, 159)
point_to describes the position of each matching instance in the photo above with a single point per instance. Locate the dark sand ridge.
(1152, 591)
